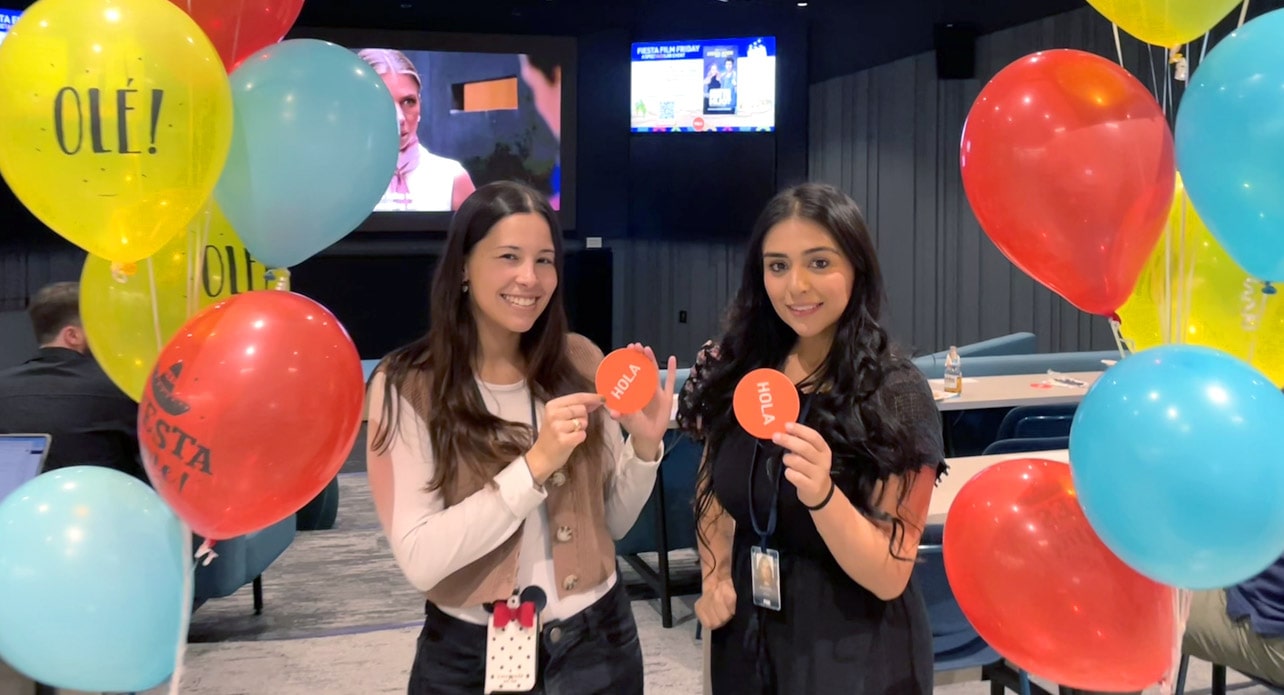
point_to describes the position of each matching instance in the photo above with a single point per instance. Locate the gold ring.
(576, 421)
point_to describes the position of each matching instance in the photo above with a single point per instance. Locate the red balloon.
(1067, 162)
(238, 28)
(1041, 589)
(250, 412)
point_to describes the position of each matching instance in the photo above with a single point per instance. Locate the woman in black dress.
(826, 518)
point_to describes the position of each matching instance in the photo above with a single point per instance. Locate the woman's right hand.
(565, 427)
(716, 604)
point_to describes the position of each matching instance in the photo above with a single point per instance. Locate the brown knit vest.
(583, 550)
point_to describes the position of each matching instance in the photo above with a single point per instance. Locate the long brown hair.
(436, 372)
(865, 405)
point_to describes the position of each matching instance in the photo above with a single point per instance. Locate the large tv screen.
(7, 20)
(472, 109)
(710, 86)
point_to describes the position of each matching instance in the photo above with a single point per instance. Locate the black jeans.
(594, 651)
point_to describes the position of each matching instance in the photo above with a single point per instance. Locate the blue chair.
(241, 560)
(1021, 446)
(955, 643)
(322, 512)
(1037, 421)
(1219, 679)
(667, 522)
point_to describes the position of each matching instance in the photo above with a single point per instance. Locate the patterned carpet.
(338, 611)
(344, 581)
(339, 619)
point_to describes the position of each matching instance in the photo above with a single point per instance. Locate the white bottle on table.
(953, 371)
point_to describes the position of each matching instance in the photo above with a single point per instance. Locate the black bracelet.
(825, 501)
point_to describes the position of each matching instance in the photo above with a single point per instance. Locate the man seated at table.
(1240, 627)
(63, 392)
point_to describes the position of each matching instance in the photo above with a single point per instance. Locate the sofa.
(969, 432)
(321, 513)
(1014, 354)
(241, 560)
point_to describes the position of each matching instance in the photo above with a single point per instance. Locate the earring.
(465, 287)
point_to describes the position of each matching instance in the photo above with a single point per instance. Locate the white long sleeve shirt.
(431, 541)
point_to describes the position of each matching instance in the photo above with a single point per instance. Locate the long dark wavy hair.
(440, 367)
(869, 438)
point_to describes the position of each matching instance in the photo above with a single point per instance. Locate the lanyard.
(765, 532)
(534, 420)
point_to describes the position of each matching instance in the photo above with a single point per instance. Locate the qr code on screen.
(666, 109)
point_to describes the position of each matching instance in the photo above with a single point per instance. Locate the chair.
(322, 512)
(1219, 679)
(241, 560)
(1037, 421)
(1020, 446)
(955, 643)
(667, 522)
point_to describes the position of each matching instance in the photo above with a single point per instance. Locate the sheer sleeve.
(689, 419)
(908, 398)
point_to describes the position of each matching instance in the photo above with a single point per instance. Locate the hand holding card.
(764, 402)
(627, 379)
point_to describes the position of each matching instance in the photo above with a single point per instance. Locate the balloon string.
(196, 260)
(1254, 300)
(236, 35)
(193, 248)
(1154, 79)
(185, 610)
(156, 322)
(1185, 275)
(1168, 86)
(1119, 51)
(1125, 346)
(1166, 304)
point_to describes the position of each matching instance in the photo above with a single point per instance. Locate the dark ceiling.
(845, 35)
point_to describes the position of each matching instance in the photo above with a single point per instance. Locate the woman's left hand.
(807, 462)
(647, 426)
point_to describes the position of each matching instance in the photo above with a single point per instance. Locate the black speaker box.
(955, 51)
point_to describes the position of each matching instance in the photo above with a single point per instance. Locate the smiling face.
(405, 94)
(806, 276)
(511, 273)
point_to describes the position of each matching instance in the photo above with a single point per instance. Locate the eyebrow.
(510, 247)
(818, 249)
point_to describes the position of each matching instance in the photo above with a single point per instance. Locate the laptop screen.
(21, 456)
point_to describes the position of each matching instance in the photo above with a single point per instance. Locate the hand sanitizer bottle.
(954, 371)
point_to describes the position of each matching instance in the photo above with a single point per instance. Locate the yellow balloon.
(1167, 23)
(130, 314)
(1212, 290)
(116, 118)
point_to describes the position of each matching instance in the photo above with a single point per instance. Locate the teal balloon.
(1230, 143)
(91, 581)
(1175, 453)
(314, 145)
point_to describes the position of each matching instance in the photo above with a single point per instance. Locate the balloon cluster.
(192, 190)
(1070, 166)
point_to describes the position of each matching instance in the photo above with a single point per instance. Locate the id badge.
(765, 564)
(512, 643)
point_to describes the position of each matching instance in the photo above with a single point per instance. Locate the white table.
(963, 468)
(1010, 390)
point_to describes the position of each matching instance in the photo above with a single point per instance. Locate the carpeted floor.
(344, 581)
(339, 619)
